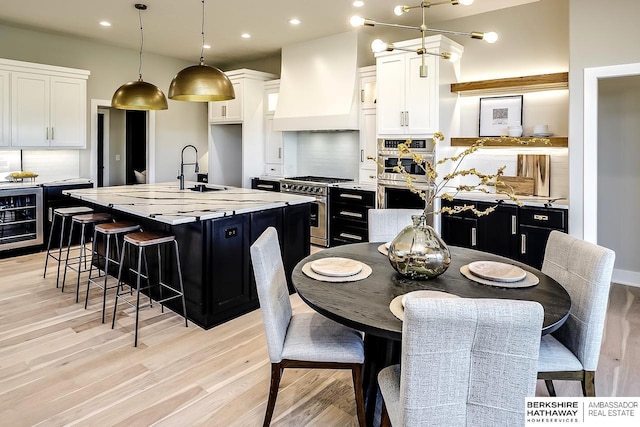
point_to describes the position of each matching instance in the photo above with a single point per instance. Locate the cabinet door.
(272, 142)
(230, 263)
(234, 106)
(29, 110)
(368, 146)
(259, 222)
(420, 100)
(68, 112)
(295, 240)
(533, 242)
(227, 111)
(460, 231)
(4, 109)
(368, 92)
(390, 73)
(498, 232)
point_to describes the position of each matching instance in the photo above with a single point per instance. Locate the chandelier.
(381, 46)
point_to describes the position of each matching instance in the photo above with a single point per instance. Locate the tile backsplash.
(331, 154)
(50, 165)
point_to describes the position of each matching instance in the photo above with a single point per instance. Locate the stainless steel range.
(318, 187)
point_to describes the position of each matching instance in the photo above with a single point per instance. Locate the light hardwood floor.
(59, 365)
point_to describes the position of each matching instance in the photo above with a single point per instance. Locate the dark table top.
(364, 304)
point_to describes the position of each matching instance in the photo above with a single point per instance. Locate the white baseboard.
(626, 277)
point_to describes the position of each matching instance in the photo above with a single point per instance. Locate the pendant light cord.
(202, 33)
(141, 44)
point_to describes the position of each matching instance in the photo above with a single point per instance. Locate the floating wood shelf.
(555, 142)
(513, 84)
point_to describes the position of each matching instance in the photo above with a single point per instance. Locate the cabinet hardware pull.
(351, 196)
(52, 137)
(46, 130)
(514, 224)
(473, 236)
(401, 118)
(350, 236)
(280, 152)
(361, 95)
(541, 217)
(361, 156)
(406, 118)
(270, 187)
(372, 176)
(224, 111)
(351, 214)
(523, 243)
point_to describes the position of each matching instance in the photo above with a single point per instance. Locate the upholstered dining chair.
(584, 269)
(304, 340)
(385, 224)
(464, 362)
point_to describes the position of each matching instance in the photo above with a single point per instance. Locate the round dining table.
(365, 304)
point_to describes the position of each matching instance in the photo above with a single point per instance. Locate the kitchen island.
(214, 229)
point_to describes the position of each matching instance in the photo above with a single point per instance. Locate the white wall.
(183, 123)
(618, 177)
(601, 33)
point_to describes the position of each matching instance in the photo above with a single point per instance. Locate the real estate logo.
(582, 411)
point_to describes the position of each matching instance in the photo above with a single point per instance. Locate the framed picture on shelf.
(497, 113)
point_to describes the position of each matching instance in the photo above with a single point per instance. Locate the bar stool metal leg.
(184, 304)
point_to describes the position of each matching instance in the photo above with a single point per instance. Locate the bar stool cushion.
(91, 218)
(147, 238)
(72, 210)
(117, 227)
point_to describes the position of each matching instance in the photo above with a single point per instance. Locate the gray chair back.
(385, 224)
(468, 361)
(584, 269)
(272, 289)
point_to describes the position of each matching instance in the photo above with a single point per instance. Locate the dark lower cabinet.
(535, 226)
(519, 233)
(52, 199)
(349, 215)
(216, 260)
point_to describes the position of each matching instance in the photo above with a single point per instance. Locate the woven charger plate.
(497, 271)
(529, 280)
(397, 304)
(384, 249)
(336, 266)
(363, 274)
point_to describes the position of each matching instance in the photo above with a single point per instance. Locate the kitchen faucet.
(182, 164)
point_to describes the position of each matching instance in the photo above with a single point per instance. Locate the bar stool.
(107, 230)
(144, 240)
(63, 213)
(81, 220)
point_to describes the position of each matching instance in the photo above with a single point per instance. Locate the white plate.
(530, 280)
(497, 271)
(364, 273)
(336, 267)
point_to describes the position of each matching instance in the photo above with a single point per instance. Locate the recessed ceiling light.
(206, 46)
(245, 35)
(294, 21)
(358, 3)
(105, 23)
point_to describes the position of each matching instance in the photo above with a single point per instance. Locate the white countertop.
(29, 183)
(537, 201)
(168, 204)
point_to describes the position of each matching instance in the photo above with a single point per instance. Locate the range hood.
(318, 85)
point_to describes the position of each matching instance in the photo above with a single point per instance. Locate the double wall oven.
(317, 187)
(392, 185)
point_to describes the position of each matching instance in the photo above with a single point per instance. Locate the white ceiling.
(172, 27)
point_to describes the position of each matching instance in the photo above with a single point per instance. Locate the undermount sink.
(202, 188)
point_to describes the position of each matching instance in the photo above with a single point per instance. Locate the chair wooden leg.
(384, 418)
(550, 388)
(589, 384)
(276, 374)
(356, 373)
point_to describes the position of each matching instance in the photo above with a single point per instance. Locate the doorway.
(114, 136)
(135, 147)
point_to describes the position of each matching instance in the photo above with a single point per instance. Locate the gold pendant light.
(139, 95)
(201, 83)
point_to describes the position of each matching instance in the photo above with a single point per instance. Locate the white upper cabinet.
(368, 139)
(279, 149)
(408, 104)
(228, 111)
(4, 109)
(48, 105)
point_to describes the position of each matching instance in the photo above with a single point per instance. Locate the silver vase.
(418, 251)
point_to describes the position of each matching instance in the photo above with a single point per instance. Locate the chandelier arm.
(455, 33)
(384, 24)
